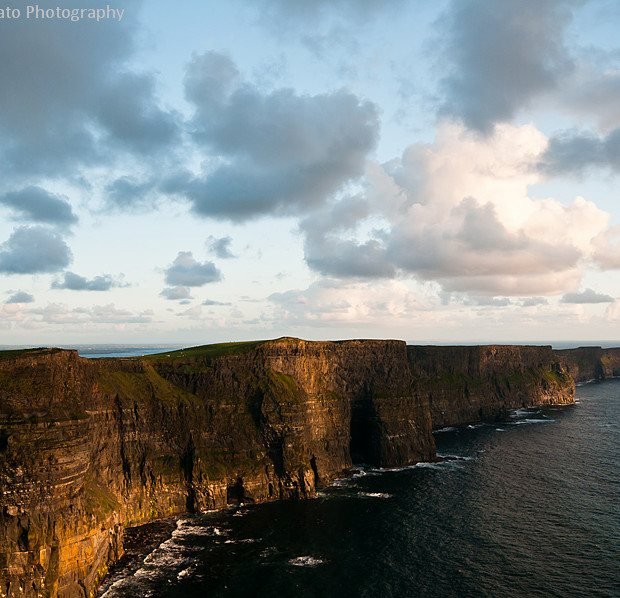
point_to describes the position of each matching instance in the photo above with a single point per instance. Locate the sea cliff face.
(88, 447)
(467, 384)
(590, 363)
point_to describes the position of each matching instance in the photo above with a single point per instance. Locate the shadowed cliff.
(88, 447)
(467, 384)
(590, 363)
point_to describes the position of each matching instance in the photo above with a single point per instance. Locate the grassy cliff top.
(208, 351)
(11, 353)
(237, 348)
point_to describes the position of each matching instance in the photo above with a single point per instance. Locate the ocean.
(525, 508)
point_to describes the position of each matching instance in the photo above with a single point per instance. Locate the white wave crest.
(306, 561)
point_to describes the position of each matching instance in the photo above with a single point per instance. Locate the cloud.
(329, 301)
(84, 318)
(458, 212)
(483, 301)
(346, 258)
(282, 152)
(607, 249)
(30, 250)
(75, 282)
(573, 152)
(193, 313)
(174, 293)
(533, 301)
(587, 296)
(20, 297)
(503, 55)
(38, 205)
(302, 10)
(330, 254)
(593, 89)
(127, 192)
(68, 99)
(299, 18)
(110, 314)
(185, 271)
(220, 247)
(132, 120)
(211, 302)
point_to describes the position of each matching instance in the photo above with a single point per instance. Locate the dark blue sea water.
(106, 350)
(522, 509)
(93, 351)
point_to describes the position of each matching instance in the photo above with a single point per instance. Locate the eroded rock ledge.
(88, 447)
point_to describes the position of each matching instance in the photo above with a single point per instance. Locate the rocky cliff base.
(88, 447)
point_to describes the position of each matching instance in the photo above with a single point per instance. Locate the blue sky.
(439, 171)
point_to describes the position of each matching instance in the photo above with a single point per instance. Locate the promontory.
(89, 447)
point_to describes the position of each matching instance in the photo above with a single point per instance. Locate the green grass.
(141, 385)
(206, 351)
(280, 388)
(99, 500)
(215, 350)
(220, 463)
(21, 384)
(10, 353)
(533, 375)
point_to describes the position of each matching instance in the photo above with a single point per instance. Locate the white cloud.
(330, 301)
(458, 212)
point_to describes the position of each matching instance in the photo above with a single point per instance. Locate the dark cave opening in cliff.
(235, 493)
(362, 438)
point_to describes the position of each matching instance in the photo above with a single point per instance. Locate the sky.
(441, 171)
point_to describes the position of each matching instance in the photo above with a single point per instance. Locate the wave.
(306, 561)
(185, 530)
(454, 457)
(243, 541)
(524, 412)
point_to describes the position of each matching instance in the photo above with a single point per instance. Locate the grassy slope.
(208, 351)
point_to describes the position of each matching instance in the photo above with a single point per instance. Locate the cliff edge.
(88, 447)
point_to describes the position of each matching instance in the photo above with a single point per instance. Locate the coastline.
(354, 394)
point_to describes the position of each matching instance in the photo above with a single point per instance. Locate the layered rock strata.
(468, 384)
(88, 447)
(590, 363)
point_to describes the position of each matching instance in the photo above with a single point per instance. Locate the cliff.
(590, 363)
(88, 447)
(467, 384)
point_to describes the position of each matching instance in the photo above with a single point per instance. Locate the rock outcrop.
(590, 363)
(88, 447)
